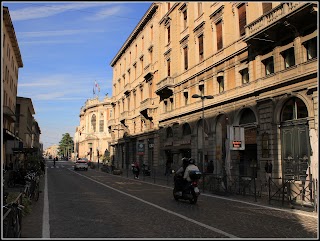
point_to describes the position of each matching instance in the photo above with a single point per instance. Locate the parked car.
(81, 163)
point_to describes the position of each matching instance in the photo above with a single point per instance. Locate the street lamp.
(203, 145)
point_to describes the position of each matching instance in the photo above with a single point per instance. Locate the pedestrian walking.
(268, 169)
(136, 169)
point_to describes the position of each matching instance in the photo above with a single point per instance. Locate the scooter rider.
(190, 167)
(178, 178)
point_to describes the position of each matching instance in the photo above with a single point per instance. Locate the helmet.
(192, 161)
(185, 161)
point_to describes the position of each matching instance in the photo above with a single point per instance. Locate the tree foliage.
(66, 145)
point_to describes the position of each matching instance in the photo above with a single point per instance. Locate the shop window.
(293, 109)
(269, 65)
(288, 57)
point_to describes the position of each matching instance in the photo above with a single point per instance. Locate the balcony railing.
(127, 88)
(271, 17)
(165, 83)
(124, 115)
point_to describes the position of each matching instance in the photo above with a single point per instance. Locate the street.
(95, 204)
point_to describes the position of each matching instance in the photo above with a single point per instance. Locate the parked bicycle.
(16, 178)
(12, 220)
(32, 187)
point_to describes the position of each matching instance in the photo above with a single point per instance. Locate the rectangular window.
(151, 33)
(242, 19)
(220, 80)
(168, 30)
(165, 106)
(171, 103)
(185, 18)
(311, 47)
(266, 7)
(245, 76)
(168, 67)
(288, 57)
(201, 88)
(101, 125)
(269, 66)
(186, 97)
(200, 47)
(169, 6)
(185, 52)
(219, 35)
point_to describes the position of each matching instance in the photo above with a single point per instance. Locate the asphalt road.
(94, 204)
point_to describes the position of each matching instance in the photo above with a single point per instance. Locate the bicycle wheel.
(17, 224)
(36, 193)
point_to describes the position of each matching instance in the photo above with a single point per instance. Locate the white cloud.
(46, 10)
(105, 13)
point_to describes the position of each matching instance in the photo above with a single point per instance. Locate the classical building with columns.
(92, 136)
(252, 66)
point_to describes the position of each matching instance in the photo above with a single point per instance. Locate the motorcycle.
(190, 190)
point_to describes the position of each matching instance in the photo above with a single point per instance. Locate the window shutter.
(266, 7)
(219, 35)
(242, 18)
(185, 50)
(200, 44)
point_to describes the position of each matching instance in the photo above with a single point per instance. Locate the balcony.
(127, 88)
(165, 87)
(286, 18)
(146, 108)
(124, 115)
(111, 122)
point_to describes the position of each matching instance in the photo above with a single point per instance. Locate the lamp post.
(203, 97)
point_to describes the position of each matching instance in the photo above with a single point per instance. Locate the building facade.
(11, 62)
(92, 136)
(259, 63)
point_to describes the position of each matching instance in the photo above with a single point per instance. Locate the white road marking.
(45, 216)
(164, 209)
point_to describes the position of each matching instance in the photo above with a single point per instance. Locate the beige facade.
(92, 135)
(259, 63)
(11, 62)
(51, 151)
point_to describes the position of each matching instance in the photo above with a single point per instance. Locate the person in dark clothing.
(268, 169)
(210, 167)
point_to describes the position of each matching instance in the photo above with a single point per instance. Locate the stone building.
(11, 62)
(258, 63)
(92, 135)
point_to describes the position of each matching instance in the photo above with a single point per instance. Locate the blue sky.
(65, 48)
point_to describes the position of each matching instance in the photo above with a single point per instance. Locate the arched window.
(93, 122)
(101, 124)
(186, 130)
(247, 117)
(294, 109)
(169, 132)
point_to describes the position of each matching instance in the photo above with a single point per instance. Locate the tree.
(66, 145)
